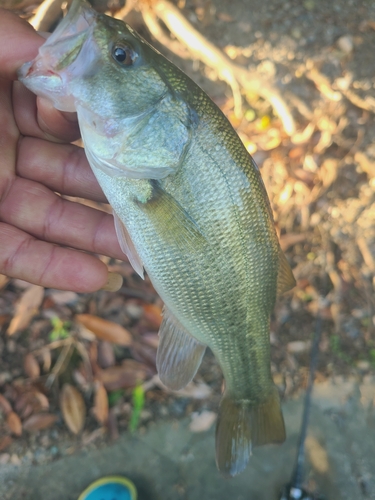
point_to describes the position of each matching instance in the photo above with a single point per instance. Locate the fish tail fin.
(242, 425)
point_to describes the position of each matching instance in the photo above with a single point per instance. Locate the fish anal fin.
(127, 246)
(179, 354)
(242, 425)
(285, 278)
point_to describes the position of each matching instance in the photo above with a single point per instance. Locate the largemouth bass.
(189, 206)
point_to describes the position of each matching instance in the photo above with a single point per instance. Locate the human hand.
(36, 162)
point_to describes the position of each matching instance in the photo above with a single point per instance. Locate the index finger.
(19, 43)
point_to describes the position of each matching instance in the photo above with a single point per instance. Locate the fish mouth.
(56, 63)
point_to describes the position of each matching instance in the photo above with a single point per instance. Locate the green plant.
(60, 329)
(138, 398)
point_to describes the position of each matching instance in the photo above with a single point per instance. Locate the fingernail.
(114, 282)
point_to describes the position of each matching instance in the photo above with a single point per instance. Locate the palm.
(36, 162)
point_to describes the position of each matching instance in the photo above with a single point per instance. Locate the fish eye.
(124, 54)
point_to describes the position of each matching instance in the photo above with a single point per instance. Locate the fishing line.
(294, 490)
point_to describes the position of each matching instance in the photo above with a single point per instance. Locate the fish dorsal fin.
(179, 354)
(174, 223)
(127, 246)
(285, 278)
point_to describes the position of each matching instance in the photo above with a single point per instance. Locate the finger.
(19, 43)
(38, 118)
(24, 257)
(8, 137)
(60, 167)
(35, 209)
(56, 123)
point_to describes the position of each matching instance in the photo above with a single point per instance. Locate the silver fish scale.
(222, 293)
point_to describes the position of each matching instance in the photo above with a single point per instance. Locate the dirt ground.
(321, 182)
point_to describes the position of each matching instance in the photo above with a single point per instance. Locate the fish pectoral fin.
(285, 278)
(127, 246)
(179, 354)
(242, 425)
(174, 225)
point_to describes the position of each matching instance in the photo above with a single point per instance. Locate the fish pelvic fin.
(285, 278)
(179, 354)
(242, 425)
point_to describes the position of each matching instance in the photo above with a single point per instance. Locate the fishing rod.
(294, 489)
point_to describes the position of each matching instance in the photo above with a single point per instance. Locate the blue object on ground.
(110, 488)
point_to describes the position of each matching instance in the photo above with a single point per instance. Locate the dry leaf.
(196, 391)
(128, 375)
(26, 308)
(3, 280)
(5, 405)
(105, 330)
(201, 422)
(14, 423)
(63, 297)
(31, 366)
(73, 408)
(153, 315)
(291, 239)
(100, 409)
(144, 354)
(5, 442)
(151, 339)
(4, 318)
(30, 401)
(47, 360)
(39, 421)
(298, 346)
(106, 355)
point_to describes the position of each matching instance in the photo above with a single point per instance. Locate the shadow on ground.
(168, 462)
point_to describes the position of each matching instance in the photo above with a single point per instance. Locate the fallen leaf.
(93, 436)
(5, 405)
(298, 346)
(63, 297)
(105, 330)
(47, 360)
(3, 281)
(26, 308)
(14, 423)
(192, 390)
(223, 16)
(106, 355)
(201, 422)
(145, 354)
(4, 318)
(39, 421)
(128, 375)
(5, 442)
(100, 409)
(291, 239)
(31, 366)
(151, 339)
(153, 315)
(73, 408)
(30, 401)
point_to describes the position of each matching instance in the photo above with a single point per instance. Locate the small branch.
(159, 34)
(235, 76)
(46, 14)
(368, 103)
(61, 360)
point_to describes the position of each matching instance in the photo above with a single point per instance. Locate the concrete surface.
(169, 462)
